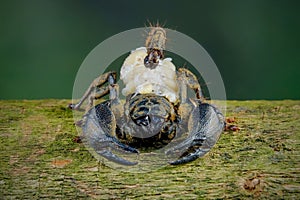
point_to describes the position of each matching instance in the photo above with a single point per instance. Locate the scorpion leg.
(205, 126)
(109, 77)
(187, 79)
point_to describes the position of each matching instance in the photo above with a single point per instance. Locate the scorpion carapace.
(152, 122)
(156, 111)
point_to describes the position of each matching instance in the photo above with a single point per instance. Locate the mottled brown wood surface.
(39, 158)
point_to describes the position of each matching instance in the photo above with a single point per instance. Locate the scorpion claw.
(129, 149)
(183, 160)
(96, 129)
(208, 125)
(188, 158)
(103, 146)
(114, 158)
(120, 146)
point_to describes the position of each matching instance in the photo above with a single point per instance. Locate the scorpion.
(156, 111)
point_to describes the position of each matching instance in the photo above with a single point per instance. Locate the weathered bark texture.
(39, 158)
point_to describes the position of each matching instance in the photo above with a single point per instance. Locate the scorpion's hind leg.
(205, 126)
(98, 133)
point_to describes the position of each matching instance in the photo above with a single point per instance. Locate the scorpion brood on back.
(157, 109)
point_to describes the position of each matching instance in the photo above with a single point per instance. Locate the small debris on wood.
(230, 120)
(251, 184)
(77, 139)
(254, 184)
(231, 127)
(60, 163)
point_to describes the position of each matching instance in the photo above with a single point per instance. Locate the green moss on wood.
(39, 158)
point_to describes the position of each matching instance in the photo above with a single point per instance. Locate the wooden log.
(40, 158)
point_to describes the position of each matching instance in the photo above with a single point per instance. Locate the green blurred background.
(255, 44)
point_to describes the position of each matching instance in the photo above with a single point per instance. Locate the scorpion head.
(152, 115)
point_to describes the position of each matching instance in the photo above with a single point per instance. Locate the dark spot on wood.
(77, 139)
